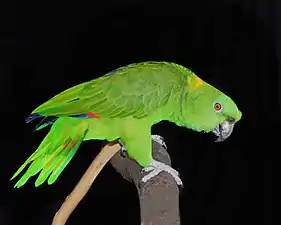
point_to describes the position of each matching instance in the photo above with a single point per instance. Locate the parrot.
(123, 105)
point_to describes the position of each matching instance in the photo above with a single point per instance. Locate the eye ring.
(217, 107)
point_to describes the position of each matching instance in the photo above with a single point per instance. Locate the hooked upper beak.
(224, 130)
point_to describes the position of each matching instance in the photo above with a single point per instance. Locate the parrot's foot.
(156, 167)
(157, 138)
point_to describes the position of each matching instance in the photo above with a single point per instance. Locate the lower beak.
(224, 130)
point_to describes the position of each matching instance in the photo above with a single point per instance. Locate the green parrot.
(123, 105)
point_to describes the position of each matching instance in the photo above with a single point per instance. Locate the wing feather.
(134, 90)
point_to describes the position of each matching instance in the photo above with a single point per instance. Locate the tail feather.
(45, 122)
(47, 170)
(32, 117)
(55, 152)
(62, 163)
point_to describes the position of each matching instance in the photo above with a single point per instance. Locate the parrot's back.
(135, 91)
(141, 87)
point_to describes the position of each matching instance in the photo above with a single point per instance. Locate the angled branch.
(85, 183)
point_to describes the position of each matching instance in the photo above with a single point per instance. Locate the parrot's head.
(210, 110)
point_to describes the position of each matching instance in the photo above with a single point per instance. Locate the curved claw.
(123, 152)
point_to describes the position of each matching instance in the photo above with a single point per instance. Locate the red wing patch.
(92, 115)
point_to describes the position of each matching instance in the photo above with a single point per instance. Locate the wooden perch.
(159, 197)
(85, 183)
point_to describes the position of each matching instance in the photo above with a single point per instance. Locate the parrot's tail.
(54, 152)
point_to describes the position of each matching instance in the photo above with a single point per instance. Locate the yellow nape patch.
(194, 82)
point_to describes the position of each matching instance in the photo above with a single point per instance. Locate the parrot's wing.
(128, 91)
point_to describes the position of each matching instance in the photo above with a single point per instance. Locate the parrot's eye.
(217, 107)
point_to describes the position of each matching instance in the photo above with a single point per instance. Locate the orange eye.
(217, 106)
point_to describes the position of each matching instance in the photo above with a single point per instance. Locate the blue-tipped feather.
(79, 116)
(48, 121)
(32, 117)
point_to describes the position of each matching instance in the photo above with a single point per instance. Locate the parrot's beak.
(224, 130)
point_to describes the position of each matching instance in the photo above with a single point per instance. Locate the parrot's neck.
(180, 120)
(173, 112)
(178, 112)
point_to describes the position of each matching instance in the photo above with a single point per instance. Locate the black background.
(234, 45)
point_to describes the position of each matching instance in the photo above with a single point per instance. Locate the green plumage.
(54, 153)
(135, 90)
(125, 103)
